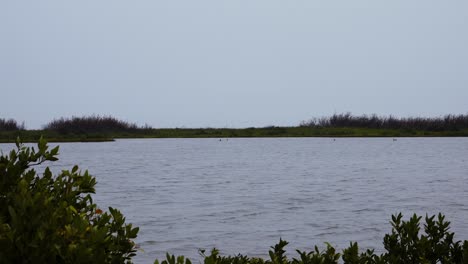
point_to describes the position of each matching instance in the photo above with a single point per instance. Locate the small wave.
(364, 210)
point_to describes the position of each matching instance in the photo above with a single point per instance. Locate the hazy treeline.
(447, 122)
(92, 124)
(10, 125)
(108, 124)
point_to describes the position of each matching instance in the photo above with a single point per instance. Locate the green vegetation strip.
(54, 136)
(30, 136)
(97, 129)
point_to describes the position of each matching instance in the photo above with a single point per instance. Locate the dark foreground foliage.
(404, 245)
(91, 124)
(10, 125)
(52, 219)
(447, 122)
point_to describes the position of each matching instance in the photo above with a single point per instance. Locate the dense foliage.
(404, 245)
(10, 125)
(447, 122)
(90, 124)
(52, 219)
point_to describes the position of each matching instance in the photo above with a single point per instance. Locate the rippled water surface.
(242, 195)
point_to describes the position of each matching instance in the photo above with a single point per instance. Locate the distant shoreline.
(107, 128)
(266, 132)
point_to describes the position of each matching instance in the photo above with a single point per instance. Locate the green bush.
(52, 219)
(405, 245)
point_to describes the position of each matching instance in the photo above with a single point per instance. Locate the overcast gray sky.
(237, 63)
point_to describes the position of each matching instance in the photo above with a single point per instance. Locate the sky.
(237, 63)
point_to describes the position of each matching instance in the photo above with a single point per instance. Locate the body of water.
(242, 195)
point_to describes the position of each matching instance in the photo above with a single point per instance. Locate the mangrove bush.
(406, 244)
(52, 219)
